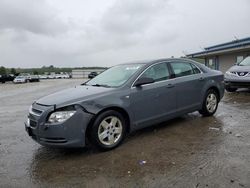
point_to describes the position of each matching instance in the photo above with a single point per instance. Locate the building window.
(239, 59)
(211, 64)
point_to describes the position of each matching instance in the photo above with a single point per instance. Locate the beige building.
(223, 56)
(83, 73)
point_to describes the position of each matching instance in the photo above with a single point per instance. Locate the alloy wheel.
(211, 102)
(110, 130)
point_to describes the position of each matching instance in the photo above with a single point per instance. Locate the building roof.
(235, 45)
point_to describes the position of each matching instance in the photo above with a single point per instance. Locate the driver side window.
(157, 72)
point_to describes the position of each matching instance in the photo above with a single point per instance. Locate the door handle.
(201, 78)
(170, 85)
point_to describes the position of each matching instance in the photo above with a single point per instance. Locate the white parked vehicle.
(64, 76)
(52, 76)
(238, 76)
(20, 79)
(27, 76)
(43, 76)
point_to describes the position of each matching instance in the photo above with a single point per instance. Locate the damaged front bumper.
(70, 133)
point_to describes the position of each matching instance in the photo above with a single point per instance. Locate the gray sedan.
(123, 99)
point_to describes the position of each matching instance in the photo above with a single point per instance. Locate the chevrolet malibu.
(123, 99)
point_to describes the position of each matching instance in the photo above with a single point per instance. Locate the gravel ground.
(190, 151)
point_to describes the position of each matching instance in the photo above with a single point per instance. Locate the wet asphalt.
(190, 151)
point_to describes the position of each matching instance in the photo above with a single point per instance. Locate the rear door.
(189, 82)
(154, 102)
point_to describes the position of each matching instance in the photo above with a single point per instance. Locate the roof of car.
(149, 62)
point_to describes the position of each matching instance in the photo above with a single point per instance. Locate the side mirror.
(143, 81)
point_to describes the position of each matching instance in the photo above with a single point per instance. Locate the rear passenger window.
(184, 69)
(158, 72)
(195, 69)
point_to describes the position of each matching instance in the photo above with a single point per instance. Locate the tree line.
(42, 70)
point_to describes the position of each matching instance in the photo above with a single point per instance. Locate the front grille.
(242, 73)
(239, 84)
(36, 111)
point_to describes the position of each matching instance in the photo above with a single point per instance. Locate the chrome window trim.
(132, 86)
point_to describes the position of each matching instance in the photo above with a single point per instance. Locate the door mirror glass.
(143, 80)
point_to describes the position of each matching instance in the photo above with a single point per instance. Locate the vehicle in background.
(34, 78)
(92, 75)
(43, 76)
(238, 76)
(20, 79)
(52, 76)
(26, 75)
(2, 79)
(123, 99)
(7, 78)
(62, 76)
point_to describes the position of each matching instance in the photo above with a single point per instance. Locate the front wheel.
(210, 103)
(108, 130)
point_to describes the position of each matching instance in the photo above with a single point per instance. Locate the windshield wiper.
(100, 85)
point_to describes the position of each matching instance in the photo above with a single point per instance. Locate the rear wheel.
(108, 130)
(229, 89)
(210, 103)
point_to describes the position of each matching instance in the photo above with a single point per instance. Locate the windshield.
(20, 77)
(245, 62)
(115, 76)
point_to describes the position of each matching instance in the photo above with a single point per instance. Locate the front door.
(153, 102)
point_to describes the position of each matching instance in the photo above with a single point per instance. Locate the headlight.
(230, 73)
(60, 116)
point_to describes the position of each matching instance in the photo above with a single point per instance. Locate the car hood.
(237, 68)
(73, 95)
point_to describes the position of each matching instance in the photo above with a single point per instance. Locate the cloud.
(131, 23)
(29, 15)
(45, 32)
(128, 17)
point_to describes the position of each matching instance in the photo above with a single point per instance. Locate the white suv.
(238, 76)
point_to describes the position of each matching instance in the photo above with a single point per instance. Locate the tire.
(210, 103)
(105, 135)
(229, 89)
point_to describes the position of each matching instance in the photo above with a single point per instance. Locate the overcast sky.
(70, 33)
